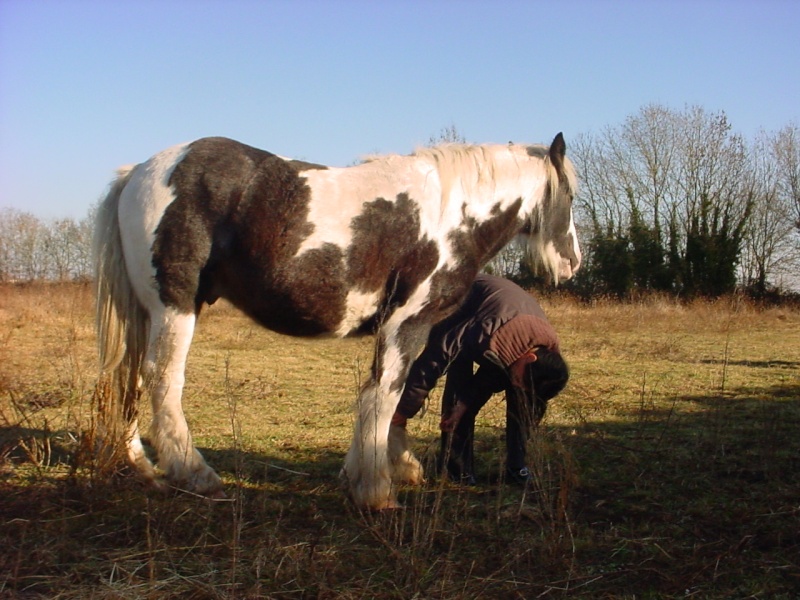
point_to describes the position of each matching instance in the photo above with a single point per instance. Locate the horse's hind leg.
(168, 346)
(136, 455)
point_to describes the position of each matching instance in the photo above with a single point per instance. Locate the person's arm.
(470, 392)
(422, 378)
(440, 351)
(450, 422)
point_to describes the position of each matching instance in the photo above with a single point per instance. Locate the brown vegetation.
(668, 468)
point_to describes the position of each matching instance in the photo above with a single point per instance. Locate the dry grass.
(669, 468)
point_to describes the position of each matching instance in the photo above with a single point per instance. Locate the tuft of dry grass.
(668, 468)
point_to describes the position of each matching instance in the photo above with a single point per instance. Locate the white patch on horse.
(352, 187)
(359, 307)
(546, 256)
(575, 245)
(141, 206)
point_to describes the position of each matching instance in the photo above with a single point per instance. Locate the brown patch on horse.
(382, 245)
(238, 219)
(481, 241)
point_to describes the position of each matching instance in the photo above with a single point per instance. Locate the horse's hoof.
(158, 484)
(413, 478)
(387, 505)
(205, 482)
(409, 474)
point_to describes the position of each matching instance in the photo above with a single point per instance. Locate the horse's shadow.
(258, 468)
(739, 446)
(744, 434)
(41, 448)
(38, 446)
(759, 364)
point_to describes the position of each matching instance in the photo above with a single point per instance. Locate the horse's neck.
(500, 189)
(447, 196)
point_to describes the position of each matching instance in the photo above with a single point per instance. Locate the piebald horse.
(388, 246)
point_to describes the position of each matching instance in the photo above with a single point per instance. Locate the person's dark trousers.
(457, 448)
(519, 421)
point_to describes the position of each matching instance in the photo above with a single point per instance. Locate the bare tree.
(601, 202)
(32, 249)
(770, 252)
(786, 148)
(22, 251)
(59, 242)
(447, 135)
(665, 197)
(6, 245)
(82, 253)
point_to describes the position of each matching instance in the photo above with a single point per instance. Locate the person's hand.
(399, 420)
(450, 422)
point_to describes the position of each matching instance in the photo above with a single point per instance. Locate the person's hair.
(545, 378)
(549, 374)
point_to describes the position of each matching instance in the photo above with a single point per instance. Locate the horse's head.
(550, 231)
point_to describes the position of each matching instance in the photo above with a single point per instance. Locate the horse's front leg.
(404, 465)
(366, 465)
(377, 460)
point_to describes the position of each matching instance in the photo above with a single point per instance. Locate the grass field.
(669, 468)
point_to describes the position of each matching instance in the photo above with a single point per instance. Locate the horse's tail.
(121, 322)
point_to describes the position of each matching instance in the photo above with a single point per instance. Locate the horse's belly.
(295, 317)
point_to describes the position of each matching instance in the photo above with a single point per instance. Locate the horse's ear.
(558, 149)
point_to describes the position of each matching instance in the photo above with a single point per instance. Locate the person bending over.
(501, 328)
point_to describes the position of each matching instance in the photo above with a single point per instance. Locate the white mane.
(474, 166)
(481, 163)
(470, 166)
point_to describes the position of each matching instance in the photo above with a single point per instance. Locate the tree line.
(670, 201)
(677, 202)
(32, 249)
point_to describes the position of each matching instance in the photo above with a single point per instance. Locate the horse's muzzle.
(566, 269)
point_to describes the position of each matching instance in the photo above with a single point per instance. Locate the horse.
(388, 246)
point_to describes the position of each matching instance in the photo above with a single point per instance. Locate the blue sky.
(88, 85)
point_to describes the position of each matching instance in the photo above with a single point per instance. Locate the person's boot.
(519, 476)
